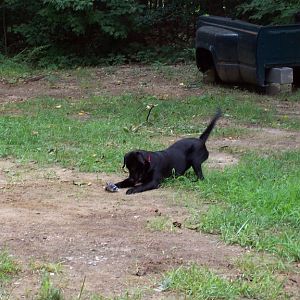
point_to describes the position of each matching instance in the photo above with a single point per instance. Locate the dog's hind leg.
(198, 171)
(198, 159)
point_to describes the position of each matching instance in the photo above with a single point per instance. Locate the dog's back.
(190, 152)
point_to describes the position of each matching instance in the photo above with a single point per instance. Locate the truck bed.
(245, 52)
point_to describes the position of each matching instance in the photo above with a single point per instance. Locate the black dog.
(147, 169)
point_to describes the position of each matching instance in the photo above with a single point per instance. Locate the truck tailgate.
(277, 46)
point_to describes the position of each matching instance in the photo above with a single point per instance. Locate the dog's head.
(137, 163)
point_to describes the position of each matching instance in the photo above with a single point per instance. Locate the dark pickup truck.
(242, 52)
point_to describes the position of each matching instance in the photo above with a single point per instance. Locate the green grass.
(48, 291)
(254, 281)
(55, 268)
(198, 283)
(160, 223)
(8, 267)
(93, 135)
(260, 277)
(254, 204)
(12, 69)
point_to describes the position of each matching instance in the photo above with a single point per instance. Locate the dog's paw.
(130, 191)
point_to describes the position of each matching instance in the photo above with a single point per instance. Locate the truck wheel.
(210, 76)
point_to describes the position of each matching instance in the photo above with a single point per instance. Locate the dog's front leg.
(143, 187)
(128, 182)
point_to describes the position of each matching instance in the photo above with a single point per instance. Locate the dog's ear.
(132, 156)
(142, 158)
(125, 160)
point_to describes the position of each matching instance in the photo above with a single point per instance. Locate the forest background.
(68, 33)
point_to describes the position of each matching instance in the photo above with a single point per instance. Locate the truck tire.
(205, 64)
(210, 76)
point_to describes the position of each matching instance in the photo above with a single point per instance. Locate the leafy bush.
(66, 27)
(270, 11)
(72, 32)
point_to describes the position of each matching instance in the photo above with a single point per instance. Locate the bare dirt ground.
(59, 215)
(115, 81)
(55, 215)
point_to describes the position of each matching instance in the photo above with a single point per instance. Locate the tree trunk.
(4, 30)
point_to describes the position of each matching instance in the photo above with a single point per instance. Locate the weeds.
(12, 70)
(54, 268)
(8, 267)
(160, 223)
(48, 291)
(200, 283)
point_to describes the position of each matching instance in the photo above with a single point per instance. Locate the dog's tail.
(204, 136)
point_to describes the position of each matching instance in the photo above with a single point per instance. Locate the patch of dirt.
(171, 81)
(263, 139)
(220, 160)
(24, 91)
(60, 215)
(287, 108)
